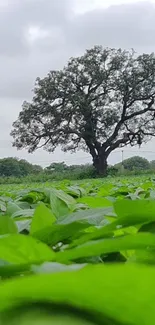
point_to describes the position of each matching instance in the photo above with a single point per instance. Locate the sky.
(41, 35)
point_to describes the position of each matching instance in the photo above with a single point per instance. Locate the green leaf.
(18, 249)
(95, 202)
(142, 256)
(109, 245)
(127, 218)
(60, 233)
(56, 204)
(42, 218)
(76, 191)
(2, 206)
(7, 225)
(12, 208)
(23, 205)
(69, 201)
(33, 196)
(102, 192)
(92, 216)
(26, 213)
(58, 207)
(136, 208)
(111, 294)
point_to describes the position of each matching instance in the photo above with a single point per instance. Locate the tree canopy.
(98, 102)
(58, 167)
(14, 167)
(152, 164)
(135, 163)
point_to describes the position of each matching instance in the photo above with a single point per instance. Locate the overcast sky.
(40, 35)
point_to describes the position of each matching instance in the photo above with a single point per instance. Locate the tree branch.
(116, 145)
(148, 108)
(126, 118)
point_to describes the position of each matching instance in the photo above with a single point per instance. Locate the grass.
(82, 252)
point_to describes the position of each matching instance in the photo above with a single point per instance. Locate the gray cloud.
(63, 34)
(127, 26)
(22, 61)
(18, 16)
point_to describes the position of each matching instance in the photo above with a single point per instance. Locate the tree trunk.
(100, 164)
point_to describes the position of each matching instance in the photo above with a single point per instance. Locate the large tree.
(100, 101)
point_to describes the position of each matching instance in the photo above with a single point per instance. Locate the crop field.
(78, 252)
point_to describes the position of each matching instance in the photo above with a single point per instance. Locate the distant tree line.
(14, 167)
(135, 163)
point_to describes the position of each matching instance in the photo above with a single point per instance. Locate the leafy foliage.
(152, 164)
(15, 167)
(81, 253)
(135, 163)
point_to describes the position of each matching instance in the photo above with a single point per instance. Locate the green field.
(81, 252)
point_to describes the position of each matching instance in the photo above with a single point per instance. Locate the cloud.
(30, 39)
(19, 16)
(39, 35)
(127, 26)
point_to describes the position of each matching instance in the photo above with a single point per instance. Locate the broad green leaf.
(12, 208)
(34, 196)
(76, 191)
(23, 205)
(109, 245)
(111, 294)
(60, 232)
(95, 202)
(79, 207)
(141, 208)
(69, 201)
(42, 218)
(26, 213)
(58, 207)
(102, 192)
(147, 185)
(5, 199)
(142, 256)
(92, 216)
(56, 204)
(7, 225)
(2, 206)
(20, 249)
(127, 219)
